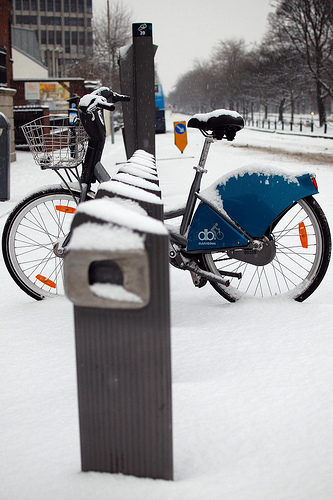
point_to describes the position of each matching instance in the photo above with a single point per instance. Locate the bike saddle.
(221, 123)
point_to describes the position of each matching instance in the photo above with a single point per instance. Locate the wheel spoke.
(301, 237)
(32, 235)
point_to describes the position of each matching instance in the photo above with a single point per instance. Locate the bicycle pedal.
(198, 281)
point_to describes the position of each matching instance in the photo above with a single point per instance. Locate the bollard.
(121, 191)
(117, 276)
(138, 165)
(150, 187)
(4, 158)
(139, 171)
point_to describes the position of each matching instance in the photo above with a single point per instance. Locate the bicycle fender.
(251, 197)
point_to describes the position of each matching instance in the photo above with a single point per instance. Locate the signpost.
(137, 80)
(180, 135)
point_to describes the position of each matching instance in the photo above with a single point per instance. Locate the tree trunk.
(320, 105)
(292, 106)
(281, 109)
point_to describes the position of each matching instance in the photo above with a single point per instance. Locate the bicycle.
(253, 232)
(36, 229)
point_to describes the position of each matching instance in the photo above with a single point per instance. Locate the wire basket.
(54, 143)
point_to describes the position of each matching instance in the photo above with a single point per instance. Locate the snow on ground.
(252, 383)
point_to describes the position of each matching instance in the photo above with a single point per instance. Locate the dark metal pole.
(137, 80)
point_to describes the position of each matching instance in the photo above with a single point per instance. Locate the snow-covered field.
(252, 382)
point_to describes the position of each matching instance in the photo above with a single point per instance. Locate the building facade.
(63, 28)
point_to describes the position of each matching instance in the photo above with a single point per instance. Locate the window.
(26, 5)
(59, 37)
(67, 42)
(57, 5)
(80, 5)
(50, 5)
(3, 66)
(73, 5)
(29, 20)
(74, 38)
(51, 37)
(89, 6)
(43, 37)
(42, 5)
(81, 38)
(18, 5)
(66, 5)
(33, 4)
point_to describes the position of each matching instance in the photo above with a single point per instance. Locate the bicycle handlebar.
(110, 95)
(101, 98)
(120, 97)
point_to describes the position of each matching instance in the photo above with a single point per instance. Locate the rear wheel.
(303, 249)
(30, 234)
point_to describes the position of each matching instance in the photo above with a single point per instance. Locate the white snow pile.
(109, 210)
(129, 191)
(114, 292)
(136, 181)
(92, 236)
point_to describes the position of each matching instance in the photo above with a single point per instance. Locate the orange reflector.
(46, 281)
(303, 234)
(66, 209)
(314, 182)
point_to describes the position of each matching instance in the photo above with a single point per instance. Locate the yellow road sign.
(180, 135)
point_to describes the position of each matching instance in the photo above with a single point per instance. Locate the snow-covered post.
(137, 77)
(121, 191)
(140, 168)
(117, 276)
(4, 158)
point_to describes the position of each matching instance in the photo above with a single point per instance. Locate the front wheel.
(303, 249)
(30, 234)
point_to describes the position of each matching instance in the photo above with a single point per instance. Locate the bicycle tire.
(30, 233)
(296, 271)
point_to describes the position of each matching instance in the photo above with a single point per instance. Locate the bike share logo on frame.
(209, 236)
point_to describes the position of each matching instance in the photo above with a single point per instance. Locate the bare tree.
(283, 73)
(307, 26)
(193, 89)
(112, 30)
(228, 62)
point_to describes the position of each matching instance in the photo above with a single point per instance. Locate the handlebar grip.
(120, 97)
(107, 106)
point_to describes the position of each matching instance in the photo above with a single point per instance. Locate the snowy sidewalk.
(252, 381)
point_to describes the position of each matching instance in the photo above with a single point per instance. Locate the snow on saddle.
(221, 123)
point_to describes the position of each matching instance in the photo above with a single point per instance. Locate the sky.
(188, 30)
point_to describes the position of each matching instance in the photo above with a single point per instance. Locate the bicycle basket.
(54, 143)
